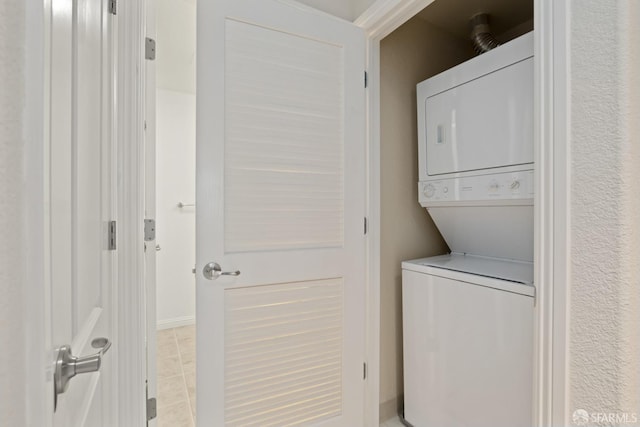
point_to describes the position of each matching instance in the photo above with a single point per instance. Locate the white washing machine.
(468, 315)
(468, 325)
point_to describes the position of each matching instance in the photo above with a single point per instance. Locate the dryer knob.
(429, 191)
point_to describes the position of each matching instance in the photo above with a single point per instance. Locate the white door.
(82, 185)
(280, 206)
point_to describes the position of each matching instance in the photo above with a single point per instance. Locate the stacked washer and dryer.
(468, 315)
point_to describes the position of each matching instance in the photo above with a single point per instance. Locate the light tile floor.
(176, 362)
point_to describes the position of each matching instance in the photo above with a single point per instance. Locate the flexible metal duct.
(483, 40)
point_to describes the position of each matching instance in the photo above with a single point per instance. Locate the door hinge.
(152, 409)
(149, 49)
(366, 79)
(149, 230)
(364, 371)
(152, 406)
(113, 7)
(366, 225)
(111, 238)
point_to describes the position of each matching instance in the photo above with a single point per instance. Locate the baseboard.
(390, 408)
(176, 322)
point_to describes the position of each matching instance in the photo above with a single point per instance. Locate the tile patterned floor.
(176, 364)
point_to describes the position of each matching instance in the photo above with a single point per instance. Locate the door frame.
(551, 213)
(381, 19)
(150, 255)
(131, 293)
(36, 315)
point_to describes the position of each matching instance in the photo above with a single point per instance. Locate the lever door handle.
(230, 273)
(68, 366)
(213, 270)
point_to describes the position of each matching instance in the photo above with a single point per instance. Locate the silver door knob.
(212, 271)
(68, 366)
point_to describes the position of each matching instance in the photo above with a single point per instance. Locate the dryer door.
(484, 123)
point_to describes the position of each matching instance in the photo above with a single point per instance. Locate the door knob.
(68, 366)
(212, 271)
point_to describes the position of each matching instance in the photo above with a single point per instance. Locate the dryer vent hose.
(483, 40)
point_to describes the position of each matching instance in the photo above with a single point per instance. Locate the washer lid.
(495, 268)
(494, 232)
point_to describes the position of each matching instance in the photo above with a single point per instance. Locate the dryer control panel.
(514, 186)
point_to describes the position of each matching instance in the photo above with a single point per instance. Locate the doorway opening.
(436, 39)
(176, 209)
(175, 160)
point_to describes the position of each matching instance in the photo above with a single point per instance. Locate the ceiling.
(453, 16)
(176, 38)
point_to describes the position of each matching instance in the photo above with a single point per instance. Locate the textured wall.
(604, 353)
(411, 54)
(12, 70)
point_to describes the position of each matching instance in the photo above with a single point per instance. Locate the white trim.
(131, 316)
(382, 18)
(176, 322)
(561, 194)
(114, 190)
(38, 354)
(385, 16)
(551, 213)
(372, 390)
(149, 173)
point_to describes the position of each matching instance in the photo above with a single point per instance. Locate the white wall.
(176, 45)
(12, 212)
(175, 182)
(414, 52)
(359, 6)
(604, 145)
(175, 156)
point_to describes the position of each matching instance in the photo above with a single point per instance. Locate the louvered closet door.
(280, 198)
